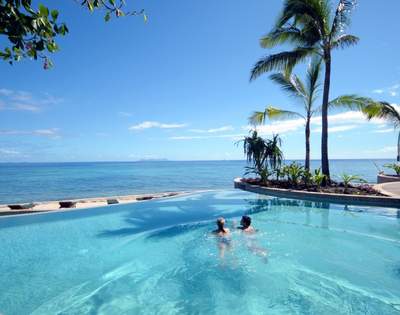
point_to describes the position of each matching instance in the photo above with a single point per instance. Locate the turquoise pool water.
(157, 257)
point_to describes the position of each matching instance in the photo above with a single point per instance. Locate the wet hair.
(246, 220)
(220, 223)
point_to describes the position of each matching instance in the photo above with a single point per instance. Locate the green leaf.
(107, 17)
(112, 2)
(90, 5)
(43, 11)
(54, 15)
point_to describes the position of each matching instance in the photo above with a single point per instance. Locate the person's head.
(245, 221)
(220, 223)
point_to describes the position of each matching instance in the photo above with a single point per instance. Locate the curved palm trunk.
(325, 100)
(307, 160)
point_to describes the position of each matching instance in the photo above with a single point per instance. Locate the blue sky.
(177, 87)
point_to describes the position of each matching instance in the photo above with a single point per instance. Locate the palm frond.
(274, 113)
(281, 35)
(344, 41)
(316, 10)
(353, 102)
(383, 110)
(280, 61)
(342, 17)
(257, 118)
(289, 83)
(312, 81)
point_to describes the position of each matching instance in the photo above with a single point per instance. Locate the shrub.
(393, 166)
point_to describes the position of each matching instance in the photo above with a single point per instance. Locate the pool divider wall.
(377, 201)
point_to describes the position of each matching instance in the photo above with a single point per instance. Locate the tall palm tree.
(385, 111)
(314, 29)
(305, 92)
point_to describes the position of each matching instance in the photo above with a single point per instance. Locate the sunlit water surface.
(157, 257)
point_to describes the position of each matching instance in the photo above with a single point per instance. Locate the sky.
(177, 87)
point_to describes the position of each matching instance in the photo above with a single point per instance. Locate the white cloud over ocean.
(155, 124)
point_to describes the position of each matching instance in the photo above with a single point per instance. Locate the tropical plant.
(318, 177)
(388, 112)
(347, 179)
(264, 173)
(31, 32)
(393, 166)
(265, 154)
(313, 28)
(294, 172)
(307, 177)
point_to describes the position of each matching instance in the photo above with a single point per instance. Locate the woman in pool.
(223, 234)
(221, 229)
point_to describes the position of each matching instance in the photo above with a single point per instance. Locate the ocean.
(25, 182)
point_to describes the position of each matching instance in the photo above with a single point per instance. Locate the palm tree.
(305, 92)
(387, 112)
(313, 29)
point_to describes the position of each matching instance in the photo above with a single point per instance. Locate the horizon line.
(167, 160)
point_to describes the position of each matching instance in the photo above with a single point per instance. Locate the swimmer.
(221, 229)
(251, 241)
(245, 225)
(223, 233)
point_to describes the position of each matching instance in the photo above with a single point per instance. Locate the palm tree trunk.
(307, 161)
(325, 100)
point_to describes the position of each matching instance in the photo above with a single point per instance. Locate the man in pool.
(221, 229)
(245, 225)
(251, 242)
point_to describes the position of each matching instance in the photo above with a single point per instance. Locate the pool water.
(158, 257)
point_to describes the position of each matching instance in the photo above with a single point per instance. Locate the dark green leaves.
(32, 31)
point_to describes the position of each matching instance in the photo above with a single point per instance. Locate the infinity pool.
(157, 257)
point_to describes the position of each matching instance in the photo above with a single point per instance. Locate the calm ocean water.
(23, 182)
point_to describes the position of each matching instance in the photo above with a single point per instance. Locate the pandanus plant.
(265, 154)
(312, 28)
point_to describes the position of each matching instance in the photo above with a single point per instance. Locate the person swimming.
(245, 225)
(223, 234)
(251, 240)
(221, 229)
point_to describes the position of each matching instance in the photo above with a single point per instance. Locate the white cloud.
(390, 90)
(387, 149)
(225, 136)
(384, 130)
(8, 152)
(50, 133)
(213, 130)
(125, 114)
(337, 128)
(25, 101)
(6, 92)
(155, 124)
(26, 107)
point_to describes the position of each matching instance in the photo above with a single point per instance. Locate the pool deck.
(84, 203)
(391, 189)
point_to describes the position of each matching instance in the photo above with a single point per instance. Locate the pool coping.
(377, 201)
(61, 210)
